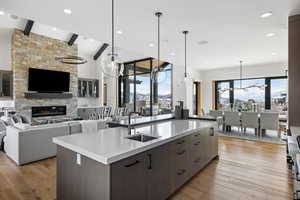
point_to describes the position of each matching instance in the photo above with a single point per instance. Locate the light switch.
(78, 159)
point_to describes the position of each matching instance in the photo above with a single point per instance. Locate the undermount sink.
(141, 137)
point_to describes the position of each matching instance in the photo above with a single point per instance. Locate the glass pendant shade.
(161, 76)
(111, 66)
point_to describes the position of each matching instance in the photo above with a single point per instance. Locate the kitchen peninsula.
(113, 165)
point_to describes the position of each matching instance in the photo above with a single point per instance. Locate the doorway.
(197, 100)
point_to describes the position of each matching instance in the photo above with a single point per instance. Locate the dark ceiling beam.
(28, 27)
(100, 51)
(72, 39)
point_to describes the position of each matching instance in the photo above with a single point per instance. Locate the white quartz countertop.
(143, 120)
(110, 145)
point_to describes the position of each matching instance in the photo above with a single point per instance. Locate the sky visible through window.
(164, 87)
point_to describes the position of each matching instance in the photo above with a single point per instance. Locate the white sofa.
(35, 142)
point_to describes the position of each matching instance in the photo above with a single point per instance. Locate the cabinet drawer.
(195, 135)
(179, 145)
(195, 146)
(196, 165)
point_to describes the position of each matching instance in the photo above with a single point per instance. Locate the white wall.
(90, 70)
(183, 91)
(5, 48)
(254, 71)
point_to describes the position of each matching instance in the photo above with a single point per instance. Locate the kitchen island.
(113, 165)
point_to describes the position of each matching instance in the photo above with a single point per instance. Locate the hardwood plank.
(245, 170)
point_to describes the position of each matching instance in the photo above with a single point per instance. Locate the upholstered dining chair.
(250, 120)
(218, 114)
(269, 121)
(232, 119)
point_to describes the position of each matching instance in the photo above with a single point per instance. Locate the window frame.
(231, 92)
(120, 80)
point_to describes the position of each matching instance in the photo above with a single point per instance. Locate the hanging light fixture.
(158, 74)
(255, 85)
(112, 67)
(72, 60)
(185, 73)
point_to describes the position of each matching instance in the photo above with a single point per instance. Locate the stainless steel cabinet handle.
(197, 143)
(132, 164)
(181, 172)
(211, 132)
(181, 142)
(150, 161)
(180, 153)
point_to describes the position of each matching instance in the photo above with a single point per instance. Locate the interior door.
(197, 110)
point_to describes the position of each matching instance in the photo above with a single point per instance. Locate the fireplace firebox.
(47, 111)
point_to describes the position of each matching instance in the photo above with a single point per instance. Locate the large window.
(139, 93)
(252, 94)
(279, 96)
(223, 95)
(164, 91)
(249, 94)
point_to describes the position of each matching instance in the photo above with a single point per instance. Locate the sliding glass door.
(278, 94)
(140, 94)
(223, 95)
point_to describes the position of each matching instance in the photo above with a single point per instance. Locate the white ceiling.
(233, 28)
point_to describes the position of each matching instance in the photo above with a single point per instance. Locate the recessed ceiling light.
(2, 12)
(203, 42)
(172, 54)
(54, 29)
(270, 34)
(151, 45)
(120, 32)
(266, 14)
(67, 11)
(274, 54)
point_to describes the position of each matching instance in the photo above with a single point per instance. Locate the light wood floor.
(245, 170)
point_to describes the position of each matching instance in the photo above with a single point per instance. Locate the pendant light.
(157, 74)
(111, 67)
(241, 73)
(185, 73)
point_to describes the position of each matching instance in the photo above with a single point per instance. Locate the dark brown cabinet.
(179, 162)
(294, 71)
(129, 178)
(158, 179)
(137, 177)
(153, 174)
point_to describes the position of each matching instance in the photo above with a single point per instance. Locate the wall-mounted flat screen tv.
(40, 80)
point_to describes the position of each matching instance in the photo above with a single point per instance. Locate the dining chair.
(250, 120)
(232, 119)
(218, 114)
(269, 121)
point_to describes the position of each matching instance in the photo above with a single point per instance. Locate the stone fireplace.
(37, 51)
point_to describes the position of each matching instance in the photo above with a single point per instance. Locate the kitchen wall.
(253, 71)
